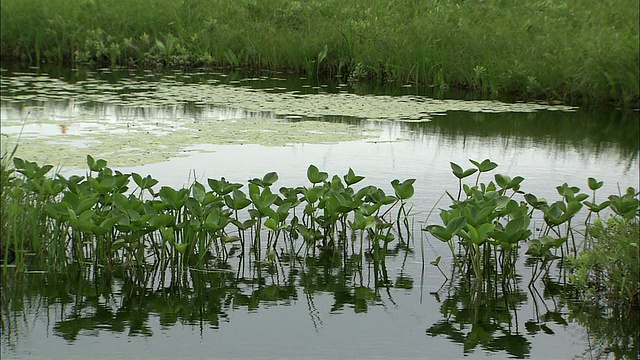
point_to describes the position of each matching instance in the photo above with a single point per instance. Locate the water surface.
(180, 127)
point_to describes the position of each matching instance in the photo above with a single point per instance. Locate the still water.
(179, 127)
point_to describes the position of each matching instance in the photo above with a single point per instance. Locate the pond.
(180, 127)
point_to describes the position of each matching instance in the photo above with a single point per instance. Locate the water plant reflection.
(487, 318)
(88, 300)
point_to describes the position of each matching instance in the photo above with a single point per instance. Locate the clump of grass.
(574, 51)
(23, 219)
(609, 269)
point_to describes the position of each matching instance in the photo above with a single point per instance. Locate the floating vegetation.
(138, 144)
(136, 121)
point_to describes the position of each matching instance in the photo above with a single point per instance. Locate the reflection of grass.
(584, 131)
(535, 48)
(612, 331)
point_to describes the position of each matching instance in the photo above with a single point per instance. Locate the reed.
(573, 51)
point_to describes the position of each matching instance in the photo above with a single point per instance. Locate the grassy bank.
(574, 51)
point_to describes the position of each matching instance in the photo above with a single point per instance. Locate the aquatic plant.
(487, 222)
(608, 268)
(489, 225)
(98, 219)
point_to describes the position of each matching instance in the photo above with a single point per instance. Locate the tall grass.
(608, 269)
(571, 50)
(22, 217)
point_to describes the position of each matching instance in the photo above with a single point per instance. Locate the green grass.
(575, 51)
(608, 269)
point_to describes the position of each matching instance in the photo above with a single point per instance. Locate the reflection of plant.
(114, 300)
(613, 331)
(485, 319)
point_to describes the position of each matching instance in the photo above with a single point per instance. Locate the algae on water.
(137, 121)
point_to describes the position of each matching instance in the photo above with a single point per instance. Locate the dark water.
(325, 307)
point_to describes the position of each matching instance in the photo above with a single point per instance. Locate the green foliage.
(533, 49)
(97, 219)
(489, 221)
(609, 268)
(486, 221)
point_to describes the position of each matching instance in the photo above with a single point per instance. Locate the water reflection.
(611, 331)
(500, 318)
(142, 108)
(87, 301)
(585, 131)
(484, 316)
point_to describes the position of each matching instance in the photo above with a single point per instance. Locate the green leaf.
(216, 220)
(502, 181)
(96, 165)
(270, 178)
(237, 200)
(459, 173)
(315, 176)
(479, 235)
(266, 181)
(370, 209)
(271, 224)
(457, 170)
(534, 201)
(436, 262)
(485, 166)
(456, 224)
(439, 232)
(595, 207)
(109, 222)
(351, 178)
(198, 192)
(387, 238)
(573, 207)
(518, 224)
(230, 239)
(161, 220)
(403, 190)
(117, 245)
(581, 197)
(313, 194)
(594, 184)
(86, 215)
